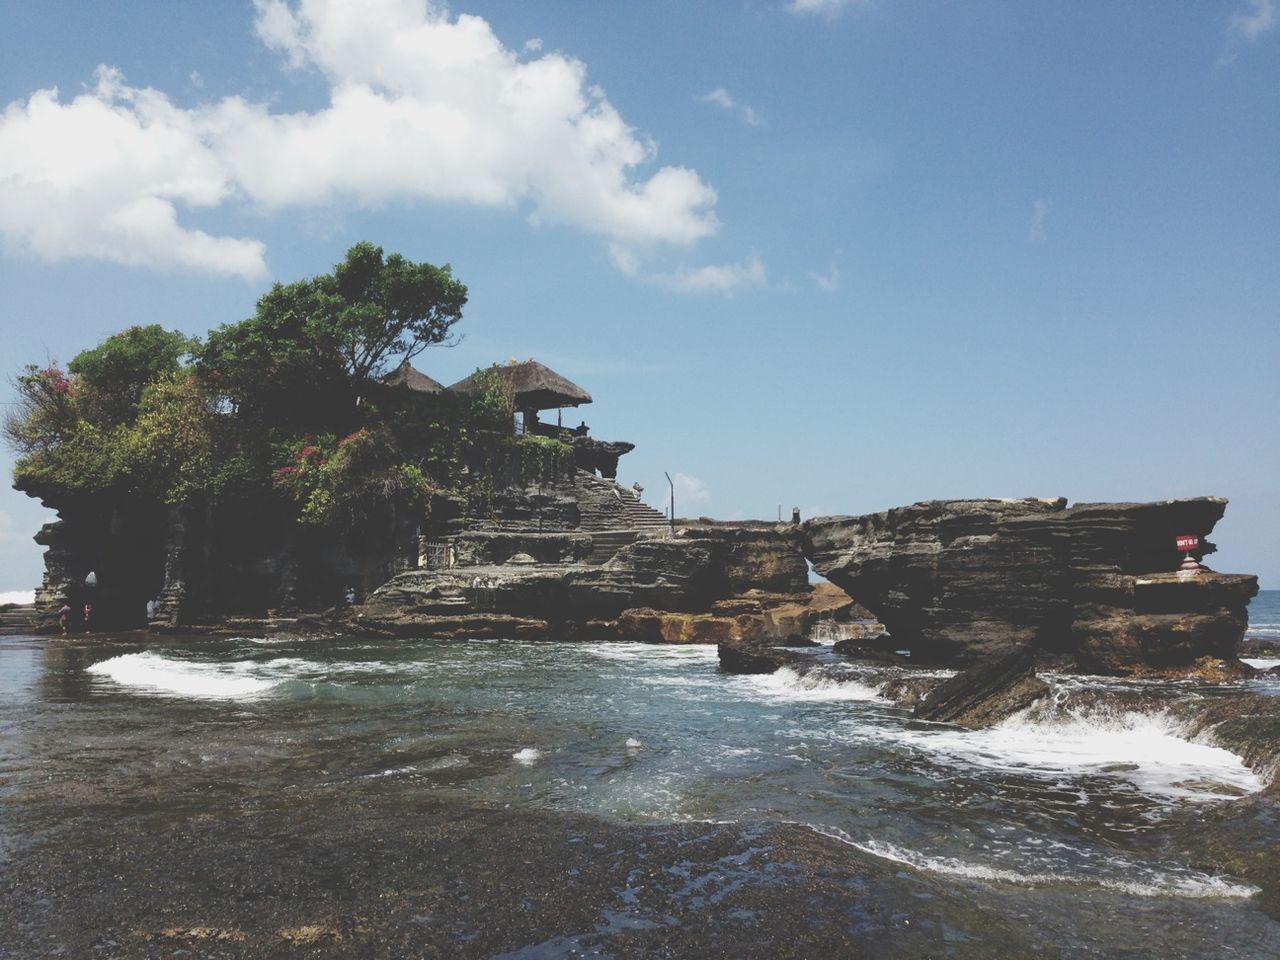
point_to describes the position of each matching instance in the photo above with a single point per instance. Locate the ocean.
(121, 759)
(1264, 615)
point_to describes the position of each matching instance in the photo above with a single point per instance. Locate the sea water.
(1072, 799)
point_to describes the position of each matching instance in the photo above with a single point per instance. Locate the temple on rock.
(199, 561)
(534, 388)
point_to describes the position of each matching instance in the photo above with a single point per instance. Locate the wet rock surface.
(414, 877)
(755, 656)
(958, 580)
(987, 693)
(1246, 724)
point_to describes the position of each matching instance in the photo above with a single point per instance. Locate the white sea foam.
(1261, 663)
(813, 686)
(651, 652)
(1144, 749)
(238, 680)
(1144, 881)
(528, 756)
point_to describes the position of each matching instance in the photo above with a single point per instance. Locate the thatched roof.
(406, 376)
(533, 386)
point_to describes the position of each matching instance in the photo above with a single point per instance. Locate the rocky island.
(399, 612)
(272, 474)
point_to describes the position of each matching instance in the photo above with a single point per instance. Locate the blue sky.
(840, 256)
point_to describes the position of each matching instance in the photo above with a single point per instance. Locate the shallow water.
(1067, 803)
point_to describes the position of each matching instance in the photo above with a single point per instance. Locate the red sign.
(1187, 544)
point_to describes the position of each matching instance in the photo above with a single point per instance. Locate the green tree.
(111, 377)
(312, 345)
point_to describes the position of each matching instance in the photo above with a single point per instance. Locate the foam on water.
(1145, 749)
(1261, 663)
(813, 686)
(238, 680)
(652, 652)
(528, 756)
(1141, 881)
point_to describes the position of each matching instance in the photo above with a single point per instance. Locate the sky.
(839, 255)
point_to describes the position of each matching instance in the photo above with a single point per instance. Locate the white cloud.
(689, 490)
(826, 8)
(1256, 18)
(1039, 214)
(423, 106)
(829, 281)
(533, 45)
(102, 177)
(721, 98)
(721, 278)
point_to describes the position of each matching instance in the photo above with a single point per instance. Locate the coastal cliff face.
(960, 579)
(678, 581)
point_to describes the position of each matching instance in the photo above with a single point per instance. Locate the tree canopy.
(265, 409)
(312, 346)
(112, 376)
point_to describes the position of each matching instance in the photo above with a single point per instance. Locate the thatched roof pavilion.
(533, 386)
(409, 378)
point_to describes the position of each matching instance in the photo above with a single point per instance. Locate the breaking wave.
(1142, 881)
(1148, 750)
(238, 680)
(814, 686)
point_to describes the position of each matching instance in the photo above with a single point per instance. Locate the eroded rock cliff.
(959, 579)
(674, 588)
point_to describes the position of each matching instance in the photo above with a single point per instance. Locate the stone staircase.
(606, 505)
(613, 515)
(605, 544)
(17, 617)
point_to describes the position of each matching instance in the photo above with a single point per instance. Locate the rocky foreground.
(405, 876)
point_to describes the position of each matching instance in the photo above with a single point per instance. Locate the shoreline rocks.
(957, 580)
(983, 695)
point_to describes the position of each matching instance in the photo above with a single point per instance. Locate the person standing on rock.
(64, 617)
(88, 616)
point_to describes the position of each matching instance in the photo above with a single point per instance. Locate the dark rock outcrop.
(908, 691)
(1246, 724)
(754, 656)
(987, 693)
(490, 548)
(962, 579)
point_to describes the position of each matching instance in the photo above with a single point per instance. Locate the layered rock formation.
(959, 579)
(706, 584)
(987, 693)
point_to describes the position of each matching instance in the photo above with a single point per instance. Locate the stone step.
(17, 618)
(606, 544)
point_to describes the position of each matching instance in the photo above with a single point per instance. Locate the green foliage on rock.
(312, 346)
(111, 377)
(336, 483)
(280, 408)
